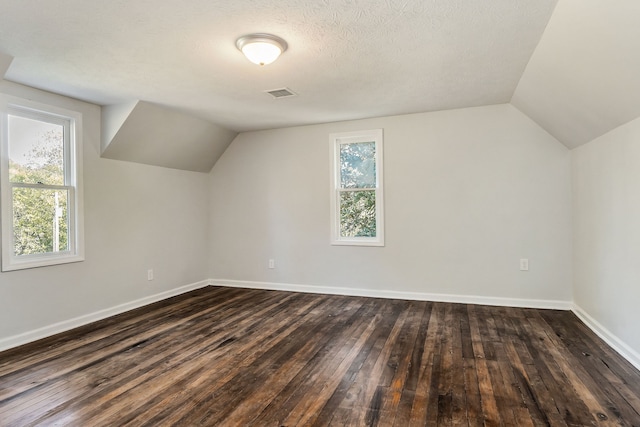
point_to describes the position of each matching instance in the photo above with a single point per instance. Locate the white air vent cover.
(281, 93)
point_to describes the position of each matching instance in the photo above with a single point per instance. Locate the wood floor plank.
(584, 383)
(420, 408)
(318, 369)
(445, 383)
(366, 406)
(241, 357)
(413, 371)
(144, 369)
(573, 401)
(387, 316)
(596, 357)
(400, 359)
(458, 396)
(304, 341)
(488, 398)
(30, 355)
(67, 360)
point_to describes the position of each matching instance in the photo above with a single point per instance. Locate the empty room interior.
(411, 213)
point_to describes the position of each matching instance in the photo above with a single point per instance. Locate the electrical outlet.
(150, 274)
(272, 263)
(524, 264)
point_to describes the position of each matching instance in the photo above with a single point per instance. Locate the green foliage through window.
(40, 212)
(357, 202)
(358, 213)
(358, 165)
(39, 220)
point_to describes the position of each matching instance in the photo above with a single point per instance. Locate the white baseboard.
(607, 336)
(612, 340)
(56, 328)
(417, 296)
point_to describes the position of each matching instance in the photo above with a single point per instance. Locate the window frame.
(72, 122)
(336, 140)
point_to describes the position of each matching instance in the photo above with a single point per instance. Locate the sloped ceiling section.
(347, 59)
(5, 61)
(143, 132)
(113, 117)
(583, 79)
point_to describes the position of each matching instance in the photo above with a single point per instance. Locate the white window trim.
(75, 253)
(336, 139)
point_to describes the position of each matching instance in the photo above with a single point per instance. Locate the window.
(40, 182)
(356, 188)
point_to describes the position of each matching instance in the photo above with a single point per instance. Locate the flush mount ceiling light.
(261, 48)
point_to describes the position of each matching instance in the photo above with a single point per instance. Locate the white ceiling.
(584, 78)
(5, 61)
(146, 133)
(347, 59)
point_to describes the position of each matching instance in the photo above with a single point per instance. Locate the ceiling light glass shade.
(261, 48)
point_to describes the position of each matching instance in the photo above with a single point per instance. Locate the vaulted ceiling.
(571, 65)
(583, 79)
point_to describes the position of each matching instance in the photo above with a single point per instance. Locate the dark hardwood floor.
(239, 357)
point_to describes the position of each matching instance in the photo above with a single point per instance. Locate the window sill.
(40, 261)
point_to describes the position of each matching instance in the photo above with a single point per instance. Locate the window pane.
(358, 165)
(36, 151)
(40, 220)
(358, 213)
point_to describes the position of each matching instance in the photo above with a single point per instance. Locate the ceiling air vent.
(281, 93)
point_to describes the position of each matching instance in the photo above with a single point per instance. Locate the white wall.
(606, 262)
(468, 193)
(136, 217)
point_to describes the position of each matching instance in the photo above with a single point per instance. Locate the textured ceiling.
(347, 59)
